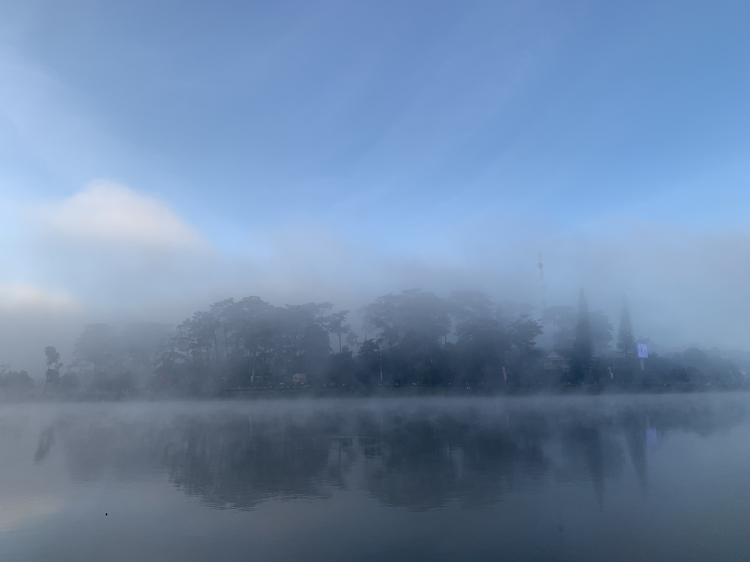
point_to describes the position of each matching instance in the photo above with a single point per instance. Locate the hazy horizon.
(154, 160)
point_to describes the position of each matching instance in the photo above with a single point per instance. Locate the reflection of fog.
(420, 456)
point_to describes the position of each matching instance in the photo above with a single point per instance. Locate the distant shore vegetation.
(414, 339)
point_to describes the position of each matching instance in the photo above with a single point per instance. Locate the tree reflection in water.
(240, 460)
(418, 454)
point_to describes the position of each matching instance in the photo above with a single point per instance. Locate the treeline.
(414, 338)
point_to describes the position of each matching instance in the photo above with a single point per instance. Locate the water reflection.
(420, 454)
(240, 460)
(423, 463)
(46, 438)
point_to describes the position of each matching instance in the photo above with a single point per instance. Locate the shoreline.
(255, 394)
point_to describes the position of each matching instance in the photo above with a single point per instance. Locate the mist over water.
(573, 478)
(381, 281)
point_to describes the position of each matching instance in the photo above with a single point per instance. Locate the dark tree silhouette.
(583, 346)
(625, 339)
(52, 376)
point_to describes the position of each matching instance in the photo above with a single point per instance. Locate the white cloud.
(18, 296)
(110, 212)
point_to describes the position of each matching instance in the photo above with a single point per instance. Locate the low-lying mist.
(411, 340)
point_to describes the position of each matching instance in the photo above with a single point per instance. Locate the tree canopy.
(407, 339)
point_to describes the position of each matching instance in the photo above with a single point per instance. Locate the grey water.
(555, 478)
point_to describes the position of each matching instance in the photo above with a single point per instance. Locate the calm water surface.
(580, 479)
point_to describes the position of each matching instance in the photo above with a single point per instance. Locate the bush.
(16, 382)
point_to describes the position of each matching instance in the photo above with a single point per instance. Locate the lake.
(403, 479)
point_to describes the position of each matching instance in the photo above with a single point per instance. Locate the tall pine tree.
(625, 339)
(583, 346)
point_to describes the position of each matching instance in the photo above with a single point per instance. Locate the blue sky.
(310, 146)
